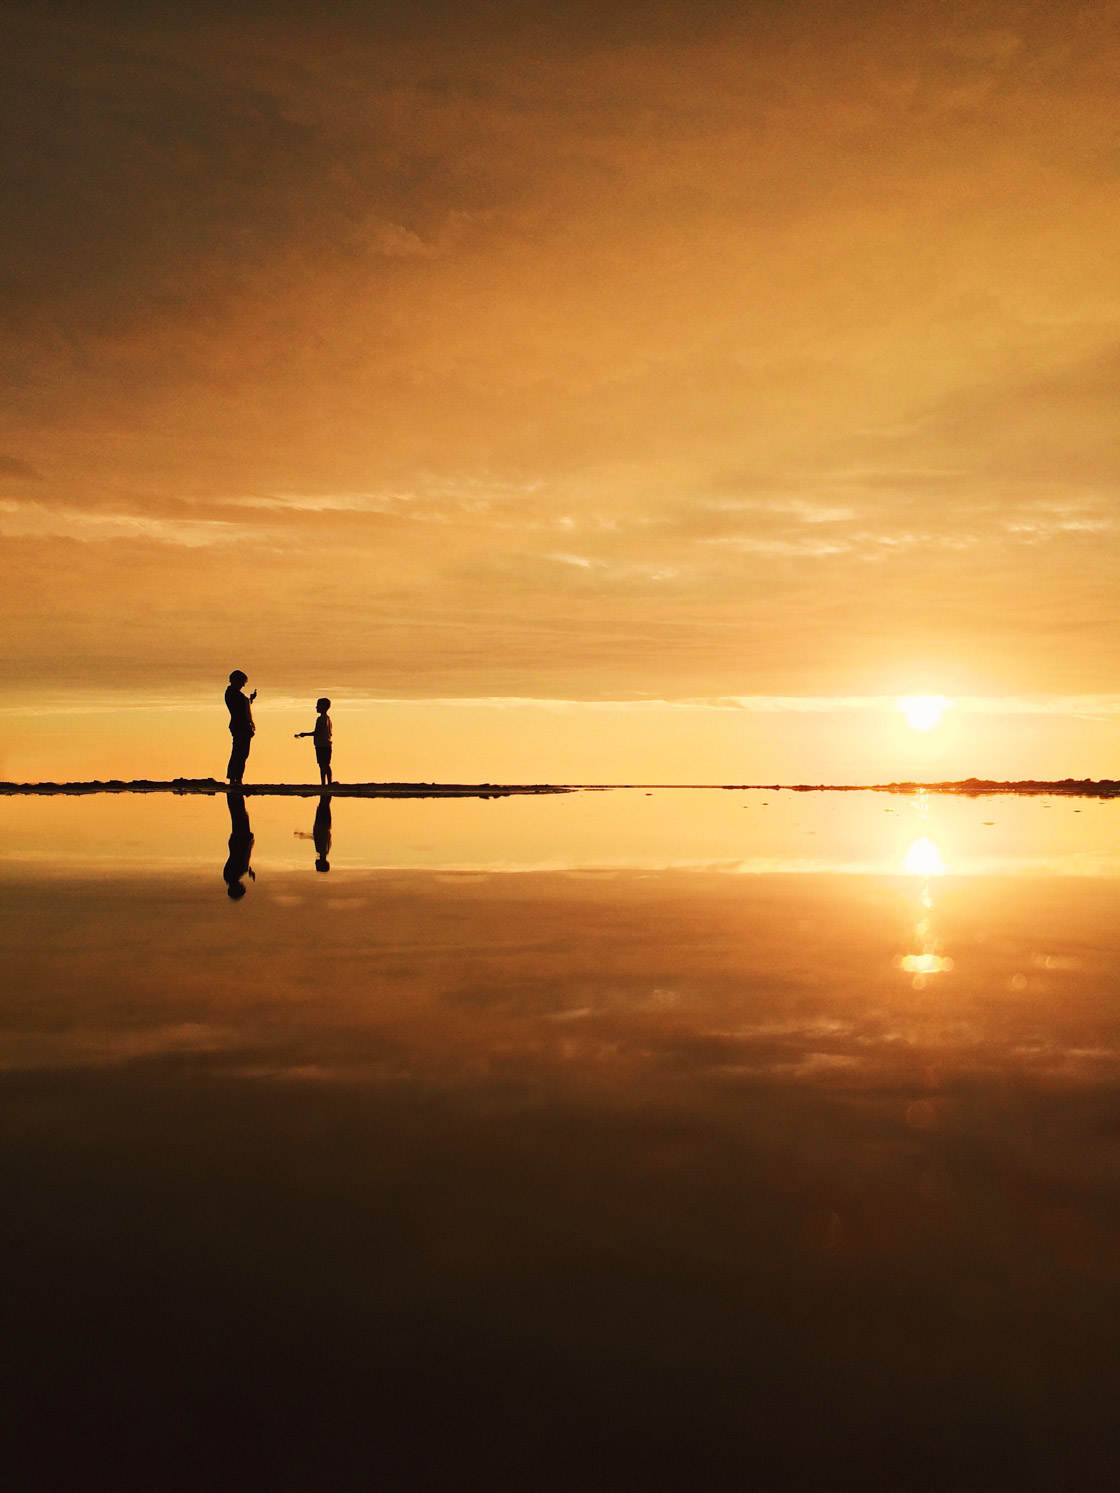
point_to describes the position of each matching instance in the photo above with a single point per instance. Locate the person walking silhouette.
(241, 726)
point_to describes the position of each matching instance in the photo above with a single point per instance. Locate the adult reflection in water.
(320, 833)
(240, 848)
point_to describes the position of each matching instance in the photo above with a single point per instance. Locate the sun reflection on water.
(924, 859)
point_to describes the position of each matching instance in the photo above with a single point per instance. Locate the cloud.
(694, 349)
(615, 570)
(801, 509)
(11, 466)
(429, 499)
(36, 521)
(1049, 426)
(357, 502)
(807, 548)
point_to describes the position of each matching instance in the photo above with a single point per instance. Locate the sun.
(923, 712)
(923, 859)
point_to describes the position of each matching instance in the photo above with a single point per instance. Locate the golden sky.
(635, 350)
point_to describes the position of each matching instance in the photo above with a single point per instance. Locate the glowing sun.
(923, 712)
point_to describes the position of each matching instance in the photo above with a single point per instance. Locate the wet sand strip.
(1101, 788)
(287, 790)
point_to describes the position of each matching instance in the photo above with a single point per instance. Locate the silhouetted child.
(321, 734)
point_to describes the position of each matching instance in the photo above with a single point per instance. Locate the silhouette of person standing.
(321, 735)
(241, 726)
(240, 848)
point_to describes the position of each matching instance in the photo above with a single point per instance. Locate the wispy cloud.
(754, 544)
(620, 570)
(37, 521)
(1038, 529)
(338, 502)
(429, 499)
(803, 510)
(12, 466)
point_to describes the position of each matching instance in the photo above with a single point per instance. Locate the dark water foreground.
(557, 1179)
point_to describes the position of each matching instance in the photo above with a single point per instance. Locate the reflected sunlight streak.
(924, 859)
(925, 964)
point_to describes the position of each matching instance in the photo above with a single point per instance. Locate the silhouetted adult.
(240, 847)
(241, 726)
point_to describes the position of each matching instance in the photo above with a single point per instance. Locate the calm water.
(607, 1140)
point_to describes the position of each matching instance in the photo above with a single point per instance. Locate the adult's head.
(237, 678)
(322, 705)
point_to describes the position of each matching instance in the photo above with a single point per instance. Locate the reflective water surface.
(613, 1139)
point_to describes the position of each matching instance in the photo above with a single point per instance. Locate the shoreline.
(211, 787)
(1103, 788)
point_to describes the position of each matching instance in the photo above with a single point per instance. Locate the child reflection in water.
(320, 833)
(240, 848)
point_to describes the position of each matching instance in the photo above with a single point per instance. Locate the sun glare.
(923, 859)
(923, 712)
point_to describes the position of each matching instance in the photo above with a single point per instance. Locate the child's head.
(238, 678)
(322, 705)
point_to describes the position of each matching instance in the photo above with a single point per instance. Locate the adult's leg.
(239, 755)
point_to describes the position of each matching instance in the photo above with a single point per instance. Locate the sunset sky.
(632, 391)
